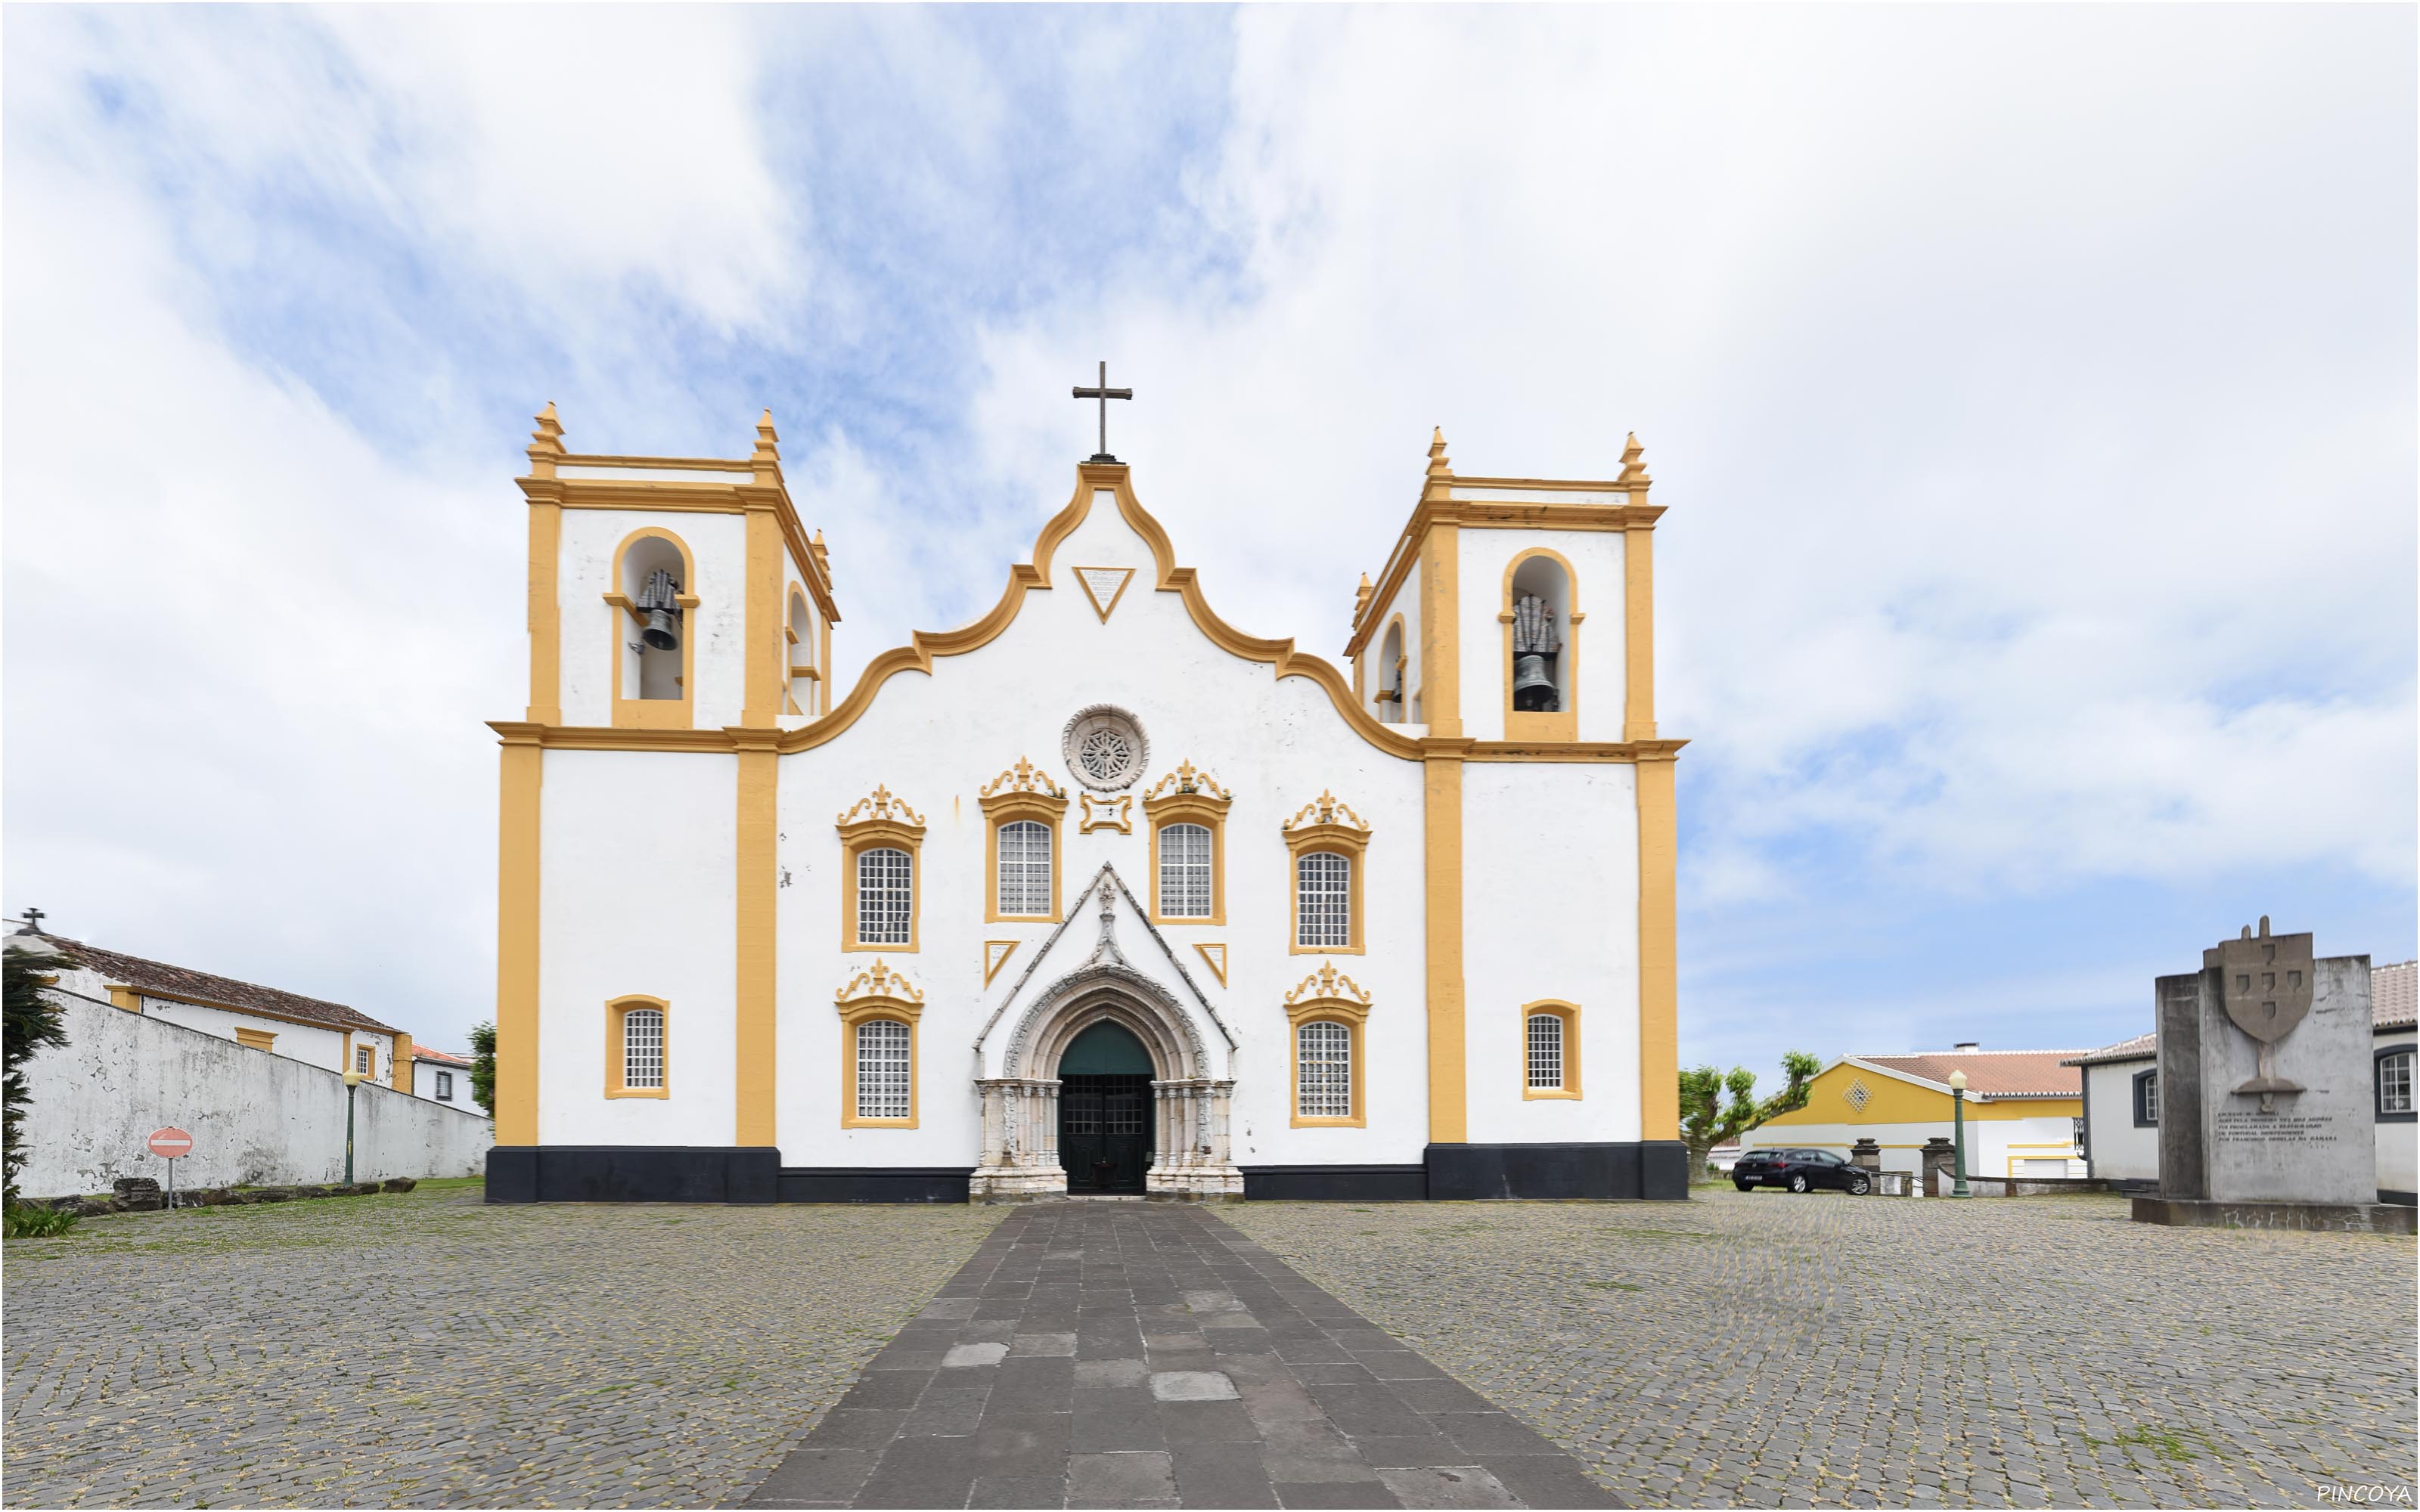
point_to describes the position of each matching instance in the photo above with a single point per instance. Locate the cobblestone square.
(1757, 1349)
(1773, 1350)
(428, 1350)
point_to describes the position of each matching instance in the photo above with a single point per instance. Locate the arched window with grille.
(1184, 871)
(1325, 843)
(886, 897)
(1550, 1050)
(883, 1071)
(1323, 1069)
(1324, 901)
(1024, 869)
(881, 847)
(638, 1047)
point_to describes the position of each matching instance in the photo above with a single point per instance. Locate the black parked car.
(1800, 1170)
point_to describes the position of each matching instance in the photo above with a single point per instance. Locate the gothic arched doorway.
(1105, 1110)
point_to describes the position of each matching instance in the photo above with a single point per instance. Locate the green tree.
(32, 1022)
(483, 1067)
(1708, 1118)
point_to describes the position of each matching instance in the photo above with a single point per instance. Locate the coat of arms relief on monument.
(2265, 986)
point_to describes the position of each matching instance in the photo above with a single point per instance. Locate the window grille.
(885, 896)
(2394, 1083)
(1323, 909)
(1323, 1067)
(882, 1068)
(1858, 1094)
(2147, 1098)
(643, 1048)
(364, 1059)
(445, 1087)
(1024, 869)
(1546, 1052)
(1184, 871)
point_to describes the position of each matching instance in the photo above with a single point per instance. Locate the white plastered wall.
(637, 883)
(2120, 1152)
(307, 1042)
(1550, 910)
(2398, 1144)
(1992, 1144)
(423, 1084)
(935, 740)
(718, 544)
(1597, 557)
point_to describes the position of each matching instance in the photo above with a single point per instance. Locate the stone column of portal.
(1156, 1179)
(1021, 1141)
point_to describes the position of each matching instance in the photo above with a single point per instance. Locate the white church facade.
(1098, 893)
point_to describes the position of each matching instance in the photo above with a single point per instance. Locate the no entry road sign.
(171, 1142)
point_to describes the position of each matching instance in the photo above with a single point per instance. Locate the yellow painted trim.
(756, 1005)
(523, 771)
(1564, 724)
(654, 713)
(261, 1040)
(878, 993)
(1638, 630)
(823, 658)
(1570, 1014)
(126, 998)
(767, 660)
(1003, 808)
(1326, 997)
(992, 967)
(881, 822)
(1104, 611)
(1347, 836)
(545, 611)
(1111, 811)
(1659, 1000)
(615, 1066)
(1449, 1081)
(1214, 955)
(399, 1074)
(1188, 797)
(1441, 631)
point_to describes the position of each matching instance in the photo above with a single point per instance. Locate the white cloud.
(2031, 392)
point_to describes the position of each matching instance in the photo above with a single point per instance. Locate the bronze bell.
(1532, 690)
(663, 632)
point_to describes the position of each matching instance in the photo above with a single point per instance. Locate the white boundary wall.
(256, 1118)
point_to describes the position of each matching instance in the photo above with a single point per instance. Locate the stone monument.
(2264, 1092)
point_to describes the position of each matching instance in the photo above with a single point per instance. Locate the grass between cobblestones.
(424, 1348)
(1770, 1350)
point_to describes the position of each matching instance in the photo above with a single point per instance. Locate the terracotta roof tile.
(1996, 1073)
(421, 1052)
(2141, 1047)
(2394, 996)
(222, 992)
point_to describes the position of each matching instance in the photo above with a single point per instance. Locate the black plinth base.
(1656, 1171)
(634, 1173)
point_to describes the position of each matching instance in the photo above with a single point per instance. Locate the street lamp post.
(1958, 1120)
(353, 1079)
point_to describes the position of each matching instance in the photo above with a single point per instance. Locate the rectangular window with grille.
(1546, 1052)
(643, 1048)
(1024, 869)
(1324, 1069)
(2394, 1083)
(1184, 871)
(882, 1068)
(364, 1059)
(885, 896)
(1323, 905)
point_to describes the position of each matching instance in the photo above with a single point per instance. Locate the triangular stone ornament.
(996, 954)
(1216, 956)
(1104, 586)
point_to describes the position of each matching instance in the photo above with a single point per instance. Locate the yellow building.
(2024, 1110)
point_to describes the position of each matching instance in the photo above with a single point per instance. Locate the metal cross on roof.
(1104, 394)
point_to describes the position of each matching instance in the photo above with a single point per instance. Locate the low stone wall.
(140, 1194)
(257, 1120)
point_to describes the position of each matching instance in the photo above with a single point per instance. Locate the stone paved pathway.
(1098, 1354)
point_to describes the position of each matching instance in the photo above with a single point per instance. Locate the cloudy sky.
(2031, 390)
